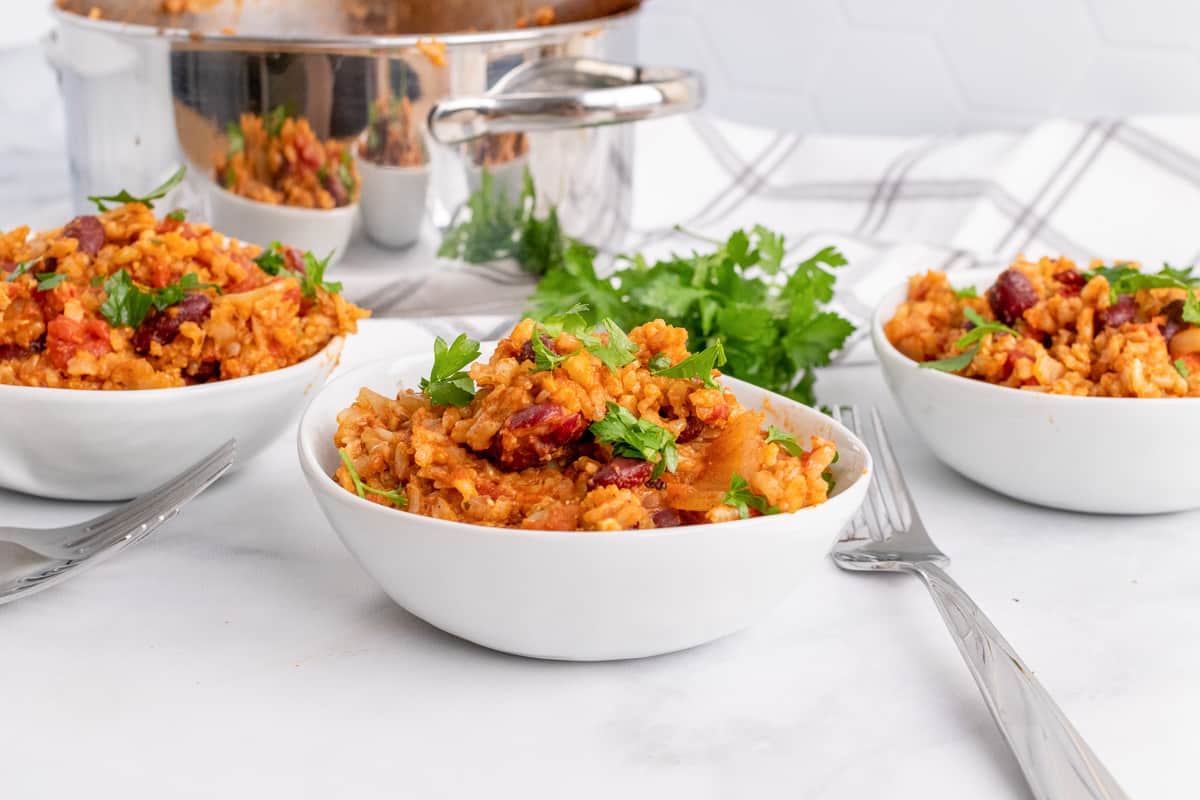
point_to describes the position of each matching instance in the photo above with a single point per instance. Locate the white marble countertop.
(241, 652)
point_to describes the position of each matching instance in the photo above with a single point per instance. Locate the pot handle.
(569, 93)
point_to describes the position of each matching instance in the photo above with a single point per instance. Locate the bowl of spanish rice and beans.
(275, 179)
(131, 345)
(1056, 384)
(579, 494)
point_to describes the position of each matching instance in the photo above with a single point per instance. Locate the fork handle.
(1056, 761)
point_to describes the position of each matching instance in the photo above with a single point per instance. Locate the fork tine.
(155, 503)
(858, 523)
(905, 509)
(876, 505)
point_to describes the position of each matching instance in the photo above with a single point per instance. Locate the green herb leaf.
(272, 260)
(172, 293)
(236, 142)
(395, 496)
(148, 199)
(830, 482)
(344, 174)
(953, 363)
(314, 276)
(982, 328)
(274, 119)
(660, 361)
(448, 383)
(743, 499)
(785, 440)
(48, 280)
(637, 438)
(698, 365)
(966, 293)
(179, 215)
(618, 351)
(1181, 367)
(544, 358)
(21, 268)
(126, 304)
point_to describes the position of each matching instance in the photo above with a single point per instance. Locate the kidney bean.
(204, 372)
(88, 232)
(535, 434)
(691, 430)
(666, 518)
(1119, 313)
(13, 351)
(1011, 295)
(624, 473)
(163, 326)
(333, 184)
(1072, 281)
(1173, 311)
(7, 266)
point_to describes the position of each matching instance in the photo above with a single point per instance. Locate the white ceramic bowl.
(320, 230)
(393, 202)
(583, 595)
(78, 444)
(1097, 454)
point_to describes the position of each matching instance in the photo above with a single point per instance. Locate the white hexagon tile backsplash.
(912, 66)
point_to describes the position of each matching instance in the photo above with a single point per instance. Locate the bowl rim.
(320, 481)
(12, 391)
(885, 350)
(283, 209)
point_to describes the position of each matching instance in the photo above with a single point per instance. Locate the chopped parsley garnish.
(982, 328)
(1123, 279)
(48, 280)
(618, 350)
(544, 358)
(237, 142)
(740, 497)
(637, 438)
(21, 268)
(698, 365)
(179, 215)
(128, 304)
(147, 200)
(498, 227)
(659, 361)
(775, 331)
(1181, 367)
(966, 293)
(273, 262)
(274, 119)
(785, 440)
(830, 483)
(448, 383)
(395, 496)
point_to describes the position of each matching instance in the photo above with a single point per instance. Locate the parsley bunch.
(637, 438)
(273, 261)
(773, 327)
(981, 328)
(496, 227)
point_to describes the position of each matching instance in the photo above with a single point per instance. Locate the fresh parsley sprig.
(128, 304)
(970, 340)
(637, 438)
(698, 365)
(448, 383)
(273, 261)
(966, 293)
(1181, 367)
(48, 280)
(498, 227)
(785, 440)
(616, 352)
(148, 199)
(743, 499)
(395, 496)
(1124, 279)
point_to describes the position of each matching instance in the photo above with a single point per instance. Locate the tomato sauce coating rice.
(68, 297)
(522, 453)
(1072, 337)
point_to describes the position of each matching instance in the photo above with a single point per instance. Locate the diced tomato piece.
(65, 337)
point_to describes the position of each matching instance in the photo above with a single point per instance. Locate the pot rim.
(349, 44)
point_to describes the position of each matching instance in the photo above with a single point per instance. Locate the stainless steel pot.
(145, 89)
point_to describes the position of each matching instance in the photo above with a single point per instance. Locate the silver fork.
(68, 551)
(887, 535)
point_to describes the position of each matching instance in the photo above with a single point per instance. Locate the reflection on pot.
(394, 160)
